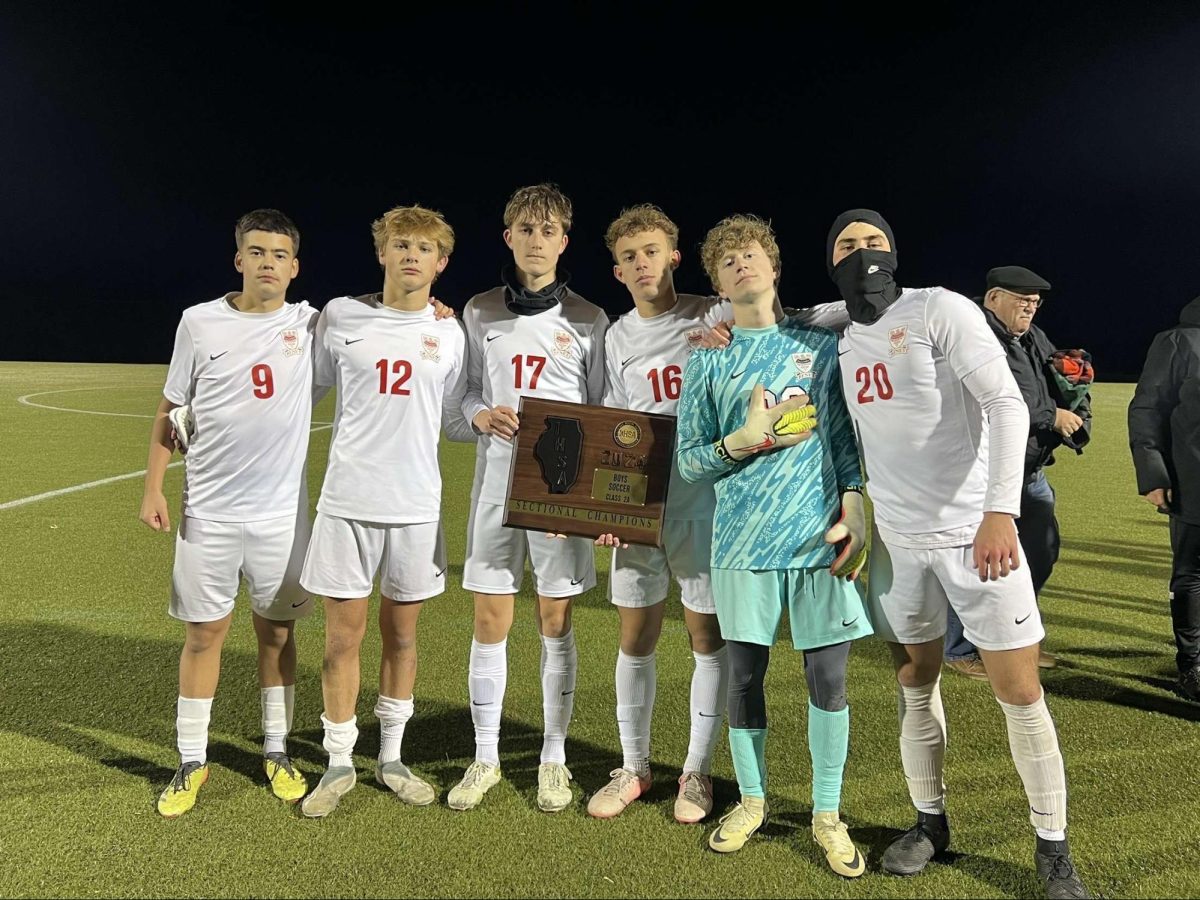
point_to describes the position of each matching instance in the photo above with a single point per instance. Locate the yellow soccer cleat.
(829, 831)
(286, 783)
(180, 794)
(798, 421)
(738, 825)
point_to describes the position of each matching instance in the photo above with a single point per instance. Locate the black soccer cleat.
(1189, 684)
(1057, 871)
(909, 853)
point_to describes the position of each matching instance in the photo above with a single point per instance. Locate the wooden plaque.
(590, 470)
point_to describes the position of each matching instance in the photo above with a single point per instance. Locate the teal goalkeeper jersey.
(773, 508)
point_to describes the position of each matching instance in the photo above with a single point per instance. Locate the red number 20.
(883, 385)
(264, 382)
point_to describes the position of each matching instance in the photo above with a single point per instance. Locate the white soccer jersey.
(644, 360)
(248, 378)
(923, 436)
(556, 354)
(400, 376)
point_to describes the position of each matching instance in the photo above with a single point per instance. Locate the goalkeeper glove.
(849, 537)
(767, 428)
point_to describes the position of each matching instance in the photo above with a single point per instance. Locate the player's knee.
(400, 643)
(205, 637)
(706, 638)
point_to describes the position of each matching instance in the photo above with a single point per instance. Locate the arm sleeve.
(180, 386)
(453, 424)
(324, 366)
(1156, 395)
(720, 311)
(957, 327)
(472, 401)
(595, 361)
(842, 444)
(827, 315)
(994, 388)
(614, 384)
(698, 427)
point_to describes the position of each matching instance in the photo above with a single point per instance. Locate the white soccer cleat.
(410, 788)
(554, 787)
(477, 781)
(183, 425)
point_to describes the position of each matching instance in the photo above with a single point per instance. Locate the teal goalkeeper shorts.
(823, 610)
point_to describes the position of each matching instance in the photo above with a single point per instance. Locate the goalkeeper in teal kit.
(766, 421)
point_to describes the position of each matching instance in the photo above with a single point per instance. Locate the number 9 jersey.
(248, 379)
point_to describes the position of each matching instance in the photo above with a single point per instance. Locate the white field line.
(317, 426)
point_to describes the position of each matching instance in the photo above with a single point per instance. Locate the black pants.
(1185, 592)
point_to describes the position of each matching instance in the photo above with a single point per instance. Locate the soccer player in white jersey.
(243, 363)
(400, 376)
(942, 430)
(531, 337)
(645, 353)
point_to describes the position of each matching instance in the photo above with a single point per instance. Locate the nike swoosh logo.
(476, 703)
(856, 862)
(301, 603)
(1036, 813)
(626, 362)
(574, 582)
(738, 374)
(1022, 621)
(441, 573)
(711, 716)
(216, 356)
(355, 341)
(491, 337)
(842, 353)
(567, 693)
(846, 624)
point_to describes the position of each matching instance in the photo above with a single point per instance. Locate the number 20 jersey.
(556, 354)
(644, 359)
(922, 434)
(248, 378)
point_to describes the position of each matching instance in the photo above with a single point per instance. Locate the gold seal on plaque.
(627, 434)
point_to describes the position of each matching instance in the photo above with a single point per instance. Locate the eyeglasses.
(1022, 299)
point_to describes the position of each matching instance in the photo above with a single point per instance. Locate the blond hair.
(638, 219)
(417, 221)
(536, 204)
(734, 233)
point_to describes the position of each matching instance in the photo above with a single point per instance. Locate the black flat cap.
(1017, 279)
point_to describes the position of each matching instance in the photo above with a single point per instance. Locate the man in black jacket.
(1164, 420)
(1059, 416)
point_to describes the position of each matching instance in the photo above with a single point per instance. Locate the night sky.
(1065, 138)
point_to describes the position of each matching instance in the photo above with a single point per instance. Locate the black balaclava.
(524, 302)
(865, 278)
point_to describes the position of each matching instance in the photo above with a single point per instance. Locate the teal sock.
(828, 738)
(748, 747)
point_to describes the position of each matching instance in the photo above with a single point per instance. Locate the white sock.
(1034, 745)
(340, 738)
(923, 744)
(486, 681)
(710, 680)
(635, 707)
(276, 717)
(191, 728)
(559, 664)
(393, 715)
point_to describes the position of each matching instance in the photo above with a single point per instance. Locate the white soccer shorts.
(495, 562)
(908, 591)
(641, 575)
(211, 557)
(345, 554)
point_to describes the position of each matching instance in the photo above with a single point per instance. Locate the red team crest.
(898, 338)
(562, 344)
(429, 347)
(695, 338)
(804, 364)
(291, 342)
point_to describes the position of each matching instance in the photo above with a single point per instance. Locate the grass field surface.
(88, 669)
